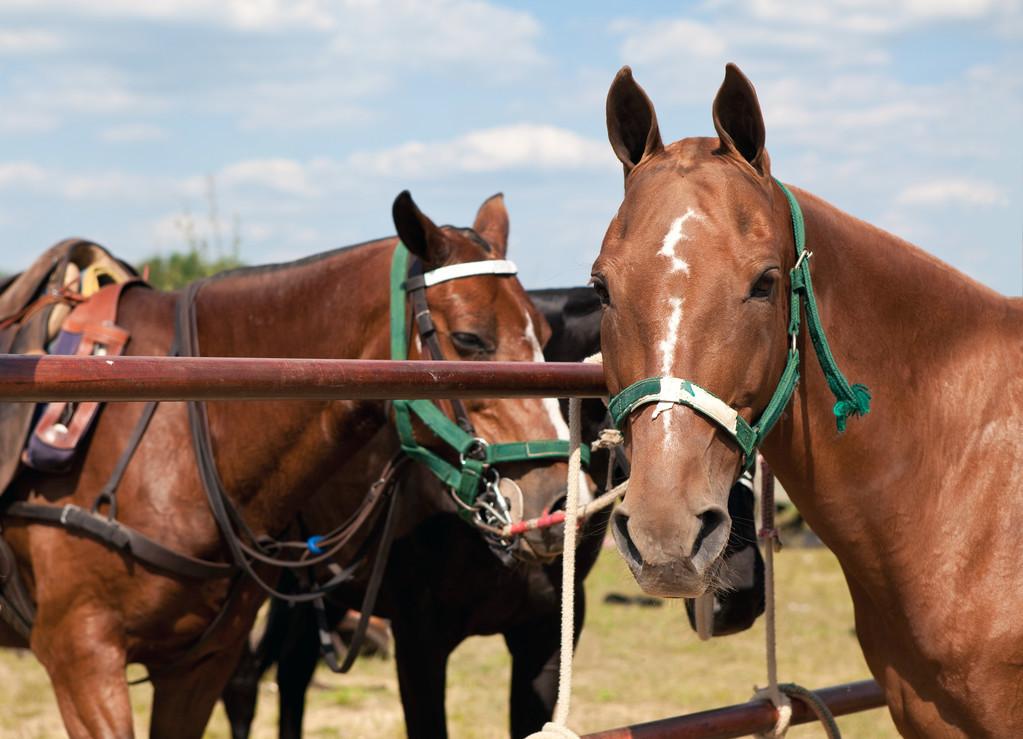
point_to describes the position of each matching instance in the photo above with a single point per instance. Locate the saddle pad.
(31, 333)
(88, 331)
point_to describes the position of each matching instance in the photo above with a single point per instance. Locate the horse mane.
(258, 270)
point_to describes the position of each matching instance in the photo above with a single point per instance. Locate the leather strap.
(369, 598)
(78, 520)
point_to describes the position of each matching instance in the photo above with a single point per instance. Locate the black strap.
(415, 287)
(108, 493)
(224, 513)
(78, 520)
(369, 598)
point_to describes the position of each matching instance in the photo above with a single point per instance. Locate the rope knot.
(608, 439)
(857, 405)
(782, 704)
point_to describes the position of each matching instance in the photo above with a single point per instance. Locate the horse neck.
(273, 455)
(920, 335)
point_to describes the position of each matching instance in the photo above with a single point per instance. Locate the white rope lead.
(772, 692)
(558, 727)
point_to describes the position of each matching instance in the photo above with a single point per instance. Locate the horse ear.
(739, 122)
(418, 233)
(631, 121)
(492, 223)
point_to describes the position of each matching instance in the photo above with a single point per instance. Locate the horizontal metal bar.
(51, 378)
(749, 718)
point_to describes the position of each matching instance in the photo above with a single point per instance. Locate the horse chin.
(677, 578)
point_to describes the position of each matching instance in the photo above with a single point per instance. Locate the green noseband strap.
(850, 400)
(683, 392)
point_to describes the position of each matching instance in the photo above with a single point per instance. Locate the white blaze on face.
(554, 410)
(675, 236)
(671, 248)
(549, 404)
(668, 347)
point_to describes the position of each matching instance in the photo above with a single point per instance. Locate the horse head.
(692, 276)
(489, 317)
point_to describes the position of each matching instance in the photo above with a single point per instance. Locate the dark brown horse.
(99, 610)
(916, 499)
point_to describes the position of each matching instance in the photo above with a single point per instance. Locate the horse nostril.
(710, 520)
(620, 521)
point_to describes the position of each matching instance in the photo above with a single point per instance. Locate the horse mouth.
(674, 578)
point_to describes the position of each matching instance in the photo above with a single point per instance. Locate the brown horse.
(99, 610)
(915, 499)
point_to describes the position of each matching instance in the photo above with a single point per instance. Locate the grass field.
(634, 664)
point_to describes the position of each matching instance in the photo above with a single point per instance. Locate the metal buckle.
(478, 447)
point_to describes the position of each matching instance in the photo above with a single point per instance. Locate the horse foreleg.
(535, 648)
(242, 693)
(83, 652)
(296, 664)
(183, 699)
(422, 660)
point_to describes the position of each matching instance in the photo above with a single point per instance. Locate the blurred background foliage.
(209, 246)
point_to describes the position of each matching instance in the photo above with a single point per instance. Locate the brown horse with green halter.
(715, 342)
(99, 608)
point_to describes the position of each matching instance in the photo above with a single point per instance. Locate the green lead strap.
(849, 399)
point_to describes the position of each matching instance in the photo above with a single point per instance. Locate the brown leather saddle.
(65, 302)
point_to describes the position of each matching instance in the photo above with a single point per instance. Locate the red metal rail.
(748, 718)
(50, 378)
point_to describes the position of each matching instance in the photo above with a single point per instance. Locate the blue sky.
(310, 116)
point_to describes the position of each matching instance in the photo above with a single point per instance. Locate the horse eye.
(599, 285)
(469, 343)
(763, 288)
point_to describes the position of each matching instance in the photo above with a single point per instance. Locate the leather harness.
(246, 549)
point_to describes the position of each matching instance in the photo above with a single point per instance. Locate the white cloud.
(410, 32)
(880, 16)
(414, 33)
(255, 15)
(514, 147)
(29, 41)
(666, 39)
(21, 174)
(952, 191)
(40, 102)
(283, 175)
(133, 132)
(27, 121)
(112, 185)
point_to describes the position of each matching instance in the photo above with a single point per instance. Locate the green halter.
(475, 456)
(850, 399)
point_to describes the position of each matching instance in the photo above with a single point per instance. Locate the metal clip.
(803, 255)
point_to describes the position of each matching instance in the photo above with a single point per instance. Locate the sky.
(305, 118)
